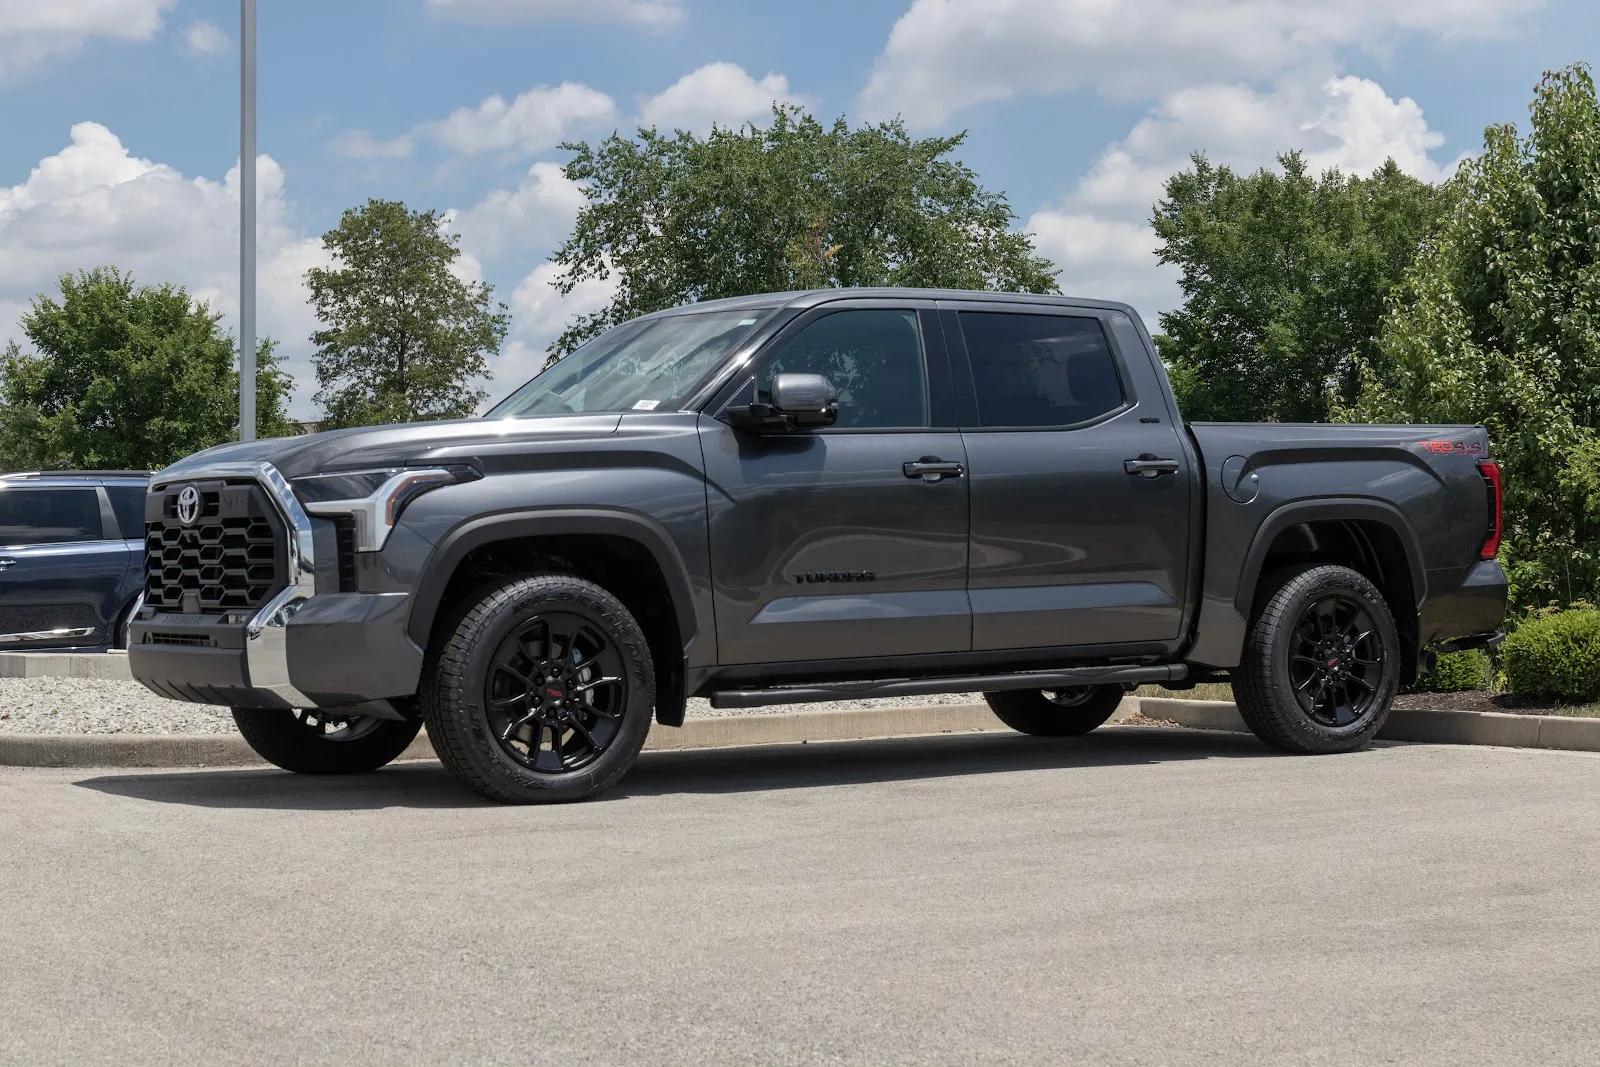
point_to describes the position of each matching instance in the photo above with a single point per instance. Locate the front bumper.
(337, 649)
(300, 649)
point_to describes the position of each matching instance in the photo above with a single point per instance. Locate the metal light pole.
(247, 220)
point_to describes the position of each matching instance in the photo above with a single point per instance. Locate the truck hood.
(386, 446)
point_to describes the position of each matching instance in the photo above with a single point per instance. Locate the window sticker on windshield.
(646, 405)
(747, 322)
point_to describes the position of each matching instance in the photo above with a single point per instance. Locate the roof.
(76, 477)
(806, 298)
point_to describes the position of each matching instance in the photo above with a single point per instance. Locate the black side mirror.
(799, 402)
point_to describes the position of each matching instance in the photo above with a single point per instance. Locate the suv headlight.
(375, 498)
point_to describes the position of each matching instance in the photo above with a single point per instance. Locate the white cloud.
(538, 119)
(205, 38)
(94, 203)
(539, 314)
(720, 93)
(1100, 235)
(655, 14)
(944, 55)
(32, 31)
(538, 213)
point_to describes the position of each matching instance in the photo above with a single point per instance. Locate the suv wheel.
(543, 691)
(317, 742)
(1321, 663)
(1056, 712)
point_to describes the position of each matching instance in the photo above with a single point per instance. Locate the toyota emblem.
(188, 505)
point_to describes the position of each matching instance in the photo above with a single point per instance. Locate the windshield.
(644, 365)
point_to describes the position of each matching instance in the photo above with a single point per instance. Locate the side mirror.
(799, 402)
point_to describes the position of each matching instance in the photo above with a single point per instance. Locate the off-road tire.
(1262, 687)
(280, 738)
(453, 698)
(1032, 711)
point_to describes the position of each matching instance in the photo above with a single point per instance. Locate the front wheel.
(313, 741)
(1055, 712)
(1321, 663)
(542, 691)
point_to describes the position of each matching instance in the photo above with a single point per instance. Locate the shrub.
(1456, 672)
(1555, 655)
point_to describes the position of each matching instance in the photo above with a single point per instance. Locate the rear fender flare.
(1353, 509)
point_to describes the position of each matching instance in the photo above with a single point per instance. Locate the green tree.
(402, 337)
(126, 377)
(1284, 280)
(796, 205)
(1499, 323)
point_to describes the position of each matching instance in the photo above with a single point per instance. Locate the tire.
(1057, 712)
(541, 692)
(1321, 662)
(307, 742)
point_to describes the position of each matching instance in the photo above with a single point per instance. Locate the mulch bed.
(1478, 701)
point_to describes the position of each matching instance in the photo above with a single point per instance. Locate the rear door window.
(873, 358)
(49, 516)
(127, 503)
(1040, 370)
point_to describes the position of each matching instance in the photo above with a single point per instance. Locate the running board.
(969, 683)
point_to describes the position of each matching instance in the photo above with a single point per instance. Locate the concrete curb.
(230, 750)
(108, 666)
(1431, 727)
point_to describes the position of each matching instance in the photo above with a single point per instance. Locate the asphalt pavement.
(1142, 895)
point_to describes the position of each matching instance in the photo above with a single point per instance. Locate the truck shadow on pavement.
(424, 783)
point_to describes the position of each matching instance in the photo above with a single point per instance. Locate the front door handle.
(932, 469)
(1150, 466)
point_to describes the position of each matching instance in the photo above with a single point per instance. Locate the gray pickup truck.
(806, 497)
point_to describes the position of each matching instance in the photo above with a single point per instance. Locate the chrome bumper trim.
(266, 634)
(46, 635)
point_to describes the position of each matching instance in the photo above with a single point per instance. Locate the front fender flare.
(454, 547)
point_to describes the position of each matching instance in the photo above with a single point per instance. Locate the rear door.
(1081, 489)
(833, 544)
(62, 566)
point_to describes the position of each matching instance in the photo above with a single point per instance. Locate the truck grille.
(230, 557)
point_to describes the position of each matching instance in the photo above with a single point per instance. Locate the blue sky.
(118, 129)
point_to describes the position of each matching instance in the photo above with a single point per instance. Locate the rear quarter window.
(127, 503)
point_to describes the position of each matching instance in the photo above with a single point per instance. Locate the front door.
(61, 575)
(834, 544)
(1072, 544)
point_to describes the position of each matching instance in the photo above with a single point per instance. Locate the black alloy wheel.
(540, 689)
(1066, 712)
(1321, 661)
(1336, 661)
(555, 693)
(317, 741)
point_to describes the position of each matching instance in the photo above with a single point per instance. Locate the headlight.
(374, 499)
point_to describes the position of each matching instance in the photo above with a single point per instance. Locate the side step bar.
(968, 683)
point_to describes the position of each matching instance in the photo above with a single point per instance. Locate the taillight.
(1491, 480)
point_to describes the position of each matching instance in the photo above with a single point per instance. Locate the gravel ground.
(87, 706)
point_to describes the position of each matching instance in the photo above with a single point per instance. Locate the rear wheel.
(314, 741)
(1055, 712)
(542, 691)
(1321, 664)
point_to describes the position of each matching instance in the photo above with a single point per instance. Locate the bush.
(1456, 672)
(1555, 655)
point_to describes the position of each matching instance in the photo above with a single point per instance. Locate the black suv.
(810, 496)
(71, 558)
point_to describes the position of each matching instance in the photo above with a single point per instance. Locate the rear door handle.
(6, 561)
(932, 469)
(1150, 466)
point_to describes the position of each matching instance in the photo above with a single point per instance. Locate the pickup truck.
(806, 497)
